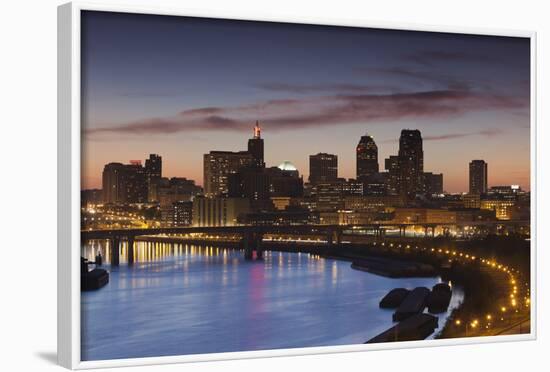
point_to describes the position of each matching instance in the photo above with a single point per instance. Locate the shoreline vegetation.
(493, 272)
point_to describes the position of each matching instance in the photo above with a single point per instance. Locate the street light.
(473, 325)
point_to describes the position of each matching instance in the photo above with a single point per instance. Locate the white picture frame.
(69, 150)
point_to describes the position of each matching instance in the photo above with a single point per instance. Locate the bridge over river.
(252, 236)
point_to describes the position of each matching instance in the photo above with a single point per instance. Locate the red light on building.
(257, 130)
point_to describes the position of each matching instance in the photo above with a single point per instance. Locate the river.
(179, 299)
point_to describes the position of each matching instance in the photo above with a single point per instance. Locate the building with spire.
(256, 146)
(221, 167)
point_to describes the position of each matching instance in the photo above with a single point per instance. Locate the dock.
(416, 327)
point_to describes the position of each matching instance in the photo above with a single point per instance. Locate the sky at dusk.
(181, 87)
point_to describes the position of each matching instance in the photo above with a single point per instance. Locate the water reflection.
(184, 299)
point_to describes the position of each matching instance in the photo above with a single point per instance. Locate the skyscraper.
(153, 173)
(153, 167)
(256, 146)
(392, 166)
(218, 165)
(114, 184)
(136, 182)
(478, 177)
(367, 158)
(124, 183)
(411, 162)
(323, 167)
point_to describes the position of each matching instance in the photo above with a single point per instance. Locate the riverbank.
(393, 268)
(495, 295)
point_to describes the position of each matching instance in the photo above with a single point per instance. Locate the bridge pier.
(115, 252)
(427, 231)
(247, 245)
(379, 233)
(258, 245)
(334, 237)
(252, 242)
(130, 241)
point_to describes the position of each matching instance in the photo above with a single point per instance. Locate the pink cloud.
(341, 109)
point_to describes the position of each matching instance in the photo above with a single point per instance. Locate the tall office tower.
(367, 158)
(136, 182)
(392, 179)
(218, 165)
(323, 167)
(478, 177)
(153, 173)
(256, 146)
(124, 183)
(153, 166)
(411, 162)
(114, 183)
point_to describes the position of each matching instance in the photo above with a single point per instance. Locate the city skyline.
(468, 95)
(250, 174)
(305, 174)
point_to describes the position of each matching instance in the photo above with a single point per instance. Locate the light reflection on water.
(179, 299)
